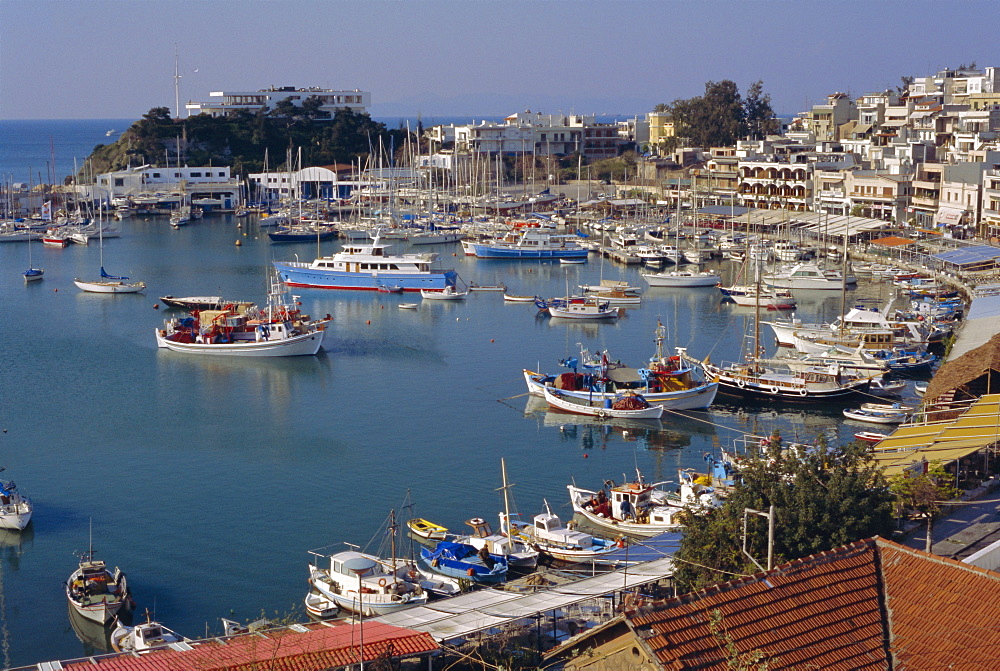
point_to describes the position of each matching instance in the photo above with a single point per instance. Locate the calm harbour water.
(207, 480)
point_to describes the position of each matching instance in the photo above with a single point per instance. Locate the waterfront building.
(265, 99)
(879, 195)
(539, 134)
(209, 187)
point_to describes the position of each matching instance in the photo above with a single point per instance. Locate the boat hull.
(15, 515)
(578, 496)
(363, 281)
(582, 407)
(372, 608)
(682, 279)
(300, 345)
(494, 252)
(110, 287)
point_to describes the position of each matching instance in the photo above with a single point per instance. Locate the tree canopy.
(240, 140)
(722, 116)
(823, 498)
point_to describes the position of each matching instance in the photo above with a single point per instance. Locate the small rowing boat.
(626, 406)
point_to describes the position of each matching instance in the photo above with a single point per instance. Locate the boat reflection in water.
(95, 637)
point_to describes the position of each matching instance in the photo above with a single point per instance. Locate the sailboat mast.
(506, 500)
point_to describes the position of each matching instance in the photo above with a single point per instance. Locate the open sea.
(207, 480)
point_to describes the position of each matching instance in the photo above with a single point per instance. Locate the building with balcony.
(776, 183)
(879, 195)
(264, 99)
(989, 223)
(661, 129)
(825, 120)
(542, 135)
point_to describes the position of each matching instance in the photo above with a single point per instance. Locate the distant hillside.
(243, 140)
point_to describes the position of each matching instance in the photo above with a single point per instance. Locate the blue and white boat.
(528, 243)
(458, 560)
(367, 266)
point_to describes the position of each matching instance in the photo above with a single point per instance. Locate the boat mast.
(506, 500)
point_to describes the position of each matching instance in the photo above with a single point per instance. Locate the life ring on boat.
(772, 390)
(601, 413)
(740, 382)
(381, 582)
(412, 575)
(470, 572)
(477, 521)
(802, 391)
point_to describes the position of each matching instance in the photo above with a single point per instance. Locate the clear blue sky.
(63, 59)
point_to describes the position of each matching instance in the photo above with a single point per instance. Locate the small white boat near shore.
(449, 293)
(143, 637)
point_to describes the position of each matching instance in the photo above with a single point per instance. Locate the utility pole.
(770, 536)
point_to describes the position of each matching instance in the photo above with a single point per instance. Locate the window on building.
(119, 181)
(196, 174)
(156, 175)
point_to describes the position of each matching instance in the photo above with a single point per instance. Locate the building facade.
(264, 99)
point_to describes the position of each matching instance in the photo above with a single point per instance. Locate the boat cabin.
(549, 527)
(337, 567)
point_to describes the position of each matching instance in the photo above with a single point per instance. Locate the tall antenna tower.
(177, 86)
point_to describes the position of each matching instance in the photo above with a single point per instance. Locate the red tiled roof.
(321, 647)
(848, 608)
(943, 614)
(818, 612)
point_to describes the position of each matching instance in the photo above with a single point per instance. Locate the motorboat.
(628, 405)
(409, 306)
(666, 381)
(527, 243)
(362, 583)
(749, 295)
(95, 592)
(366, 266)
(191, 303)
(512, 298)
(15, 508)
(143, 637)
(448, 293)
(638, 508)
(682, 278)
(243, 329)
(871, 437)
(808, 276)
(875, 416)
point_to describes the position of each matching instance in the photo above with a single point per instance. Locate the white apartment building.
(989, 226)
(264, 99)
(539, 134)
(211, 187)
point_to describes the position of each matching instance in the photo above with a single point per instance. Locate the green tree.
(757, 112)
(823, 497)
(922, 495)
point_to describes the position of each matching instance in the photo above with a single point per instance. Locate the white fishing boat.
(409, 306)
(95, 592)
(243, 329)
(667, 381)
(449, 293)
(553, 539)
(572, 261)
(682, 278)
(143, 637)
(15, 508)
(638, 508)
(588, 308)
(518, 554)
(625, 406)
(512, 298)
